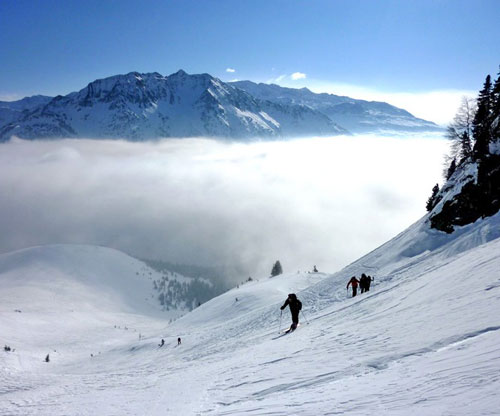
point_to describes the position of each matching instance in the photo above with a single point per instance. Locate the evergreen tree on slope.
(481, 126)
(495, 110)
(277, 269)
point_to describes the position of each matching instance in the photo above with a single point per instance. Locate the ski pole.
(304, 315)
(281, 314)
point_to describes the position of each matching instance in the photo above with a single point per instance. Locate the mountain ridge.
(358, 116)
(142, 106)
(148, 106)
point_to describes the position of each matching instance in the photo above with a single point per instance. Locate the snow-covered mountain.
(11, 111)
(148, 106)
(357, 116)
(425, 340)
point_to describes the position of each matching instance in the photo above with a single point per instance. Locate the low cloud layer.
(318, 201)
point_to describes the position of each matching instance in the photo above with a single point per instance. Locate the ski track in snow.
(424, 341)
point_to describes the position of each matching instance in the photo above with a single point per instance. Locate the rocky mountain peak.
(140, 106)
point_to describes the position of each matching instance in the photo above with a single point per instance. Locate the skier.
(179, 341)
(162, 343)
(354, 282)
(47, 358)
(363, 283)
(295, 307)
(369, 280)
(315, 270)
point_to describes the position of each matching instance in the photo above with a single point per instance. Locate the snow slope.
(424, 341)
(63, 293)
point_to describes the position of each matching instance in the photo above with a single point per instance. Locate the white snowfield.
(424, 341)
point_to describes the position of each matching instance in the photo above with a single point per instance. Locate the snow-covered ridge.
(357, 116)
(10, 111)
(149, 106)
(139, 106)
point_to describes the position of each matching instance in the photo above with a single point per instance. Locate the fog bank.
(316, 201)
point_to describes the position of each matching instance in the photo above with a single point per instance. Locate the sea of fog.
(241, 206)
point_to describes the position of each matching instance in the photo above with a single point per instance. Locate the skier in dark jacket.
(363, 283)
(354, 282)
(295, 307)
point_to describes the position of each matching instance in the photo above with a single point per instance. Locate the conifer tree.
(481, 126)
(495, 111)
(451, 169)
(277, 269)
(433, 200)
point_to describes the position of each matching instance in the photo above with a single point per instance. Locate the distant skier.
(295, 307)
(162, 343)
(354, 282)
(179, 341)
(315, 270)
(47, 358)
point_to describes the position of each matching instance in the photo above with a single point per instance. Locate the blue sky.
(390, 49)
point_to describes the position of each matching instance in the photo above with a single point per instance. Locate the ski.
(286, 332)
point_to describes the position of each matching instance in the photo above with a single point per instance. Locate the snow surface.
(424, 341)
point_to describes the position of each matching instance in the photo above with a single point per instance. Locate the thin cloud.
(284, 79)
(298, 75)
(279, 79)
(231, 70)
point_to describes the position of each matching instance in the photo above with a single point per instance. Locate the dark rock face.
(478, 198)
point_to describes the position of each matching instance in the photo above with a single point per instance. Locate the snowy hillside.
(424, 341)
(148, 106)
(61, 289)
(357, 116)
